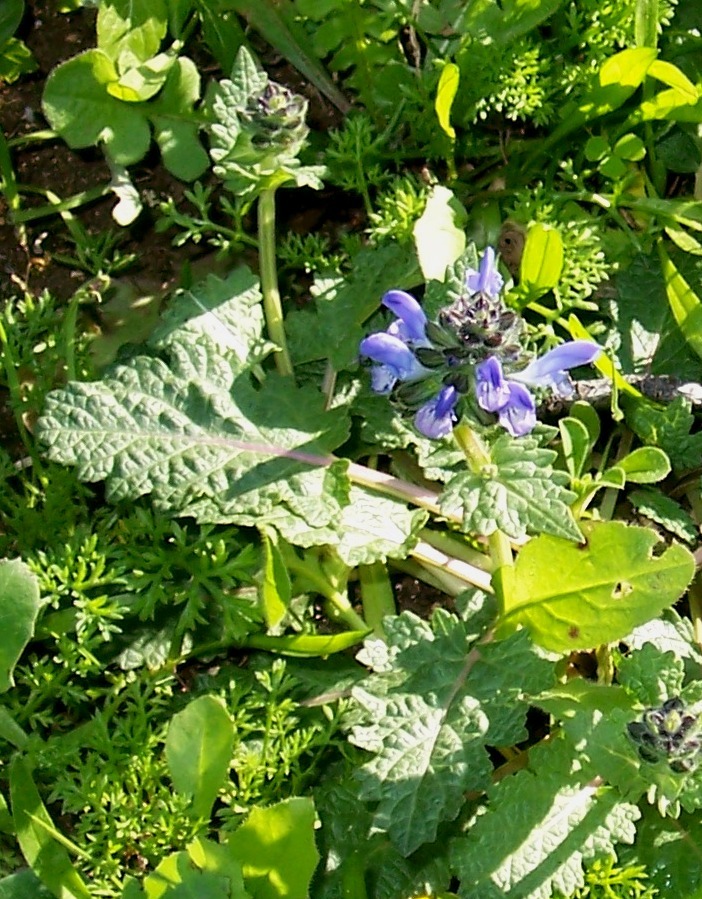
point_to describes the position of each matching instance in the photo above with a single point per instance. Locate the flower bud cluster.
(472, 354)
(275, 119)
(669, 733)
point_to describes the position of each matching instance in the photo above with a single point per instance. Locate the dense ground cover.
(351, 461)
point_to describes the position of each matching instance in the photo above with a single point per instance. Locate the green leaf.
(435, 699)
(25, 885)
(277, 851)
(217, 858)
(651, 342)
(504, 22)
(221, 31)
(684, 302)
(645, 465)
(48, 858)
(10, 17)
(438, 233)
(542, 260)
(445, 95)
(276, 21)
(201, 436)
(576, 445)
(177, 878)
(176, 125)
(650, 675)
(275, 588)
(664, 846)
(540, 826)
(145, 81)
(518, 493)
(672, 76)
(78, 106)
(668, 428)
(19, 606)
(130, 31)
(604, 589)
(16, 59)
(666, 512)
(199, 748)
(630, 147)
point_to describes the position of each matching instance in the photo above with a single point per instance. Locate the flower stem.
(269, 279)
(376, 595)
(478, 456)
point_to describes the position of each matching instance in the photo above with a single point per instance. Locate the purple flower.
(487, 279)
(550, 370)
(411, 320)
(396, 361)
(435, 419)
(511, 400)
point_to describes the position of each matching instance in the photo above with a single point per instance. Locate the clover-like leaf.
(518, 493)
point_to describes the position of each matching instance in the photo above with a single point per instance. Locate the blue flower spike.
(411, 322)
(510, 398)
(395, 361)
(436, 418)
(487, 279)
(550, 370)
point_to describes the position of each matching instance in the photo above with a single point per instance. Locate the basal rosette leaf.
(603, 589)
(196, 451)
(518, 493)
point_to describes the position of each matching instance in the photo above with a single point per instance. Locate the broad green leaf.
(576, 444)
(25, 885)
(445, 95)
(176, 125)
(663, 845)
(596, 148)
(201, 436)
(11, 14)
(6, 823)
(16, 59)
(502, 23)
(668, 104)
(145, 81)
(438, 233)
(77, 105)
(277, 851)
(650, 675)
(518, 493)
(176, 877)
(275, 590)
(542, 260)
(541, 825)
(11, 731)
(665, 511)
(19, 606)
(645, 465)
(684, 302)
(130, 31)
(604, 589)
(199, 747)
(646, 23)
(306, 646)
(217, 858)
(434, 701)
(46, 857)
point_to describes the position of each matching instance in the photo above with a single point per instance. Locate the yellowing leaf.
(445, 95)
(542, 260)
